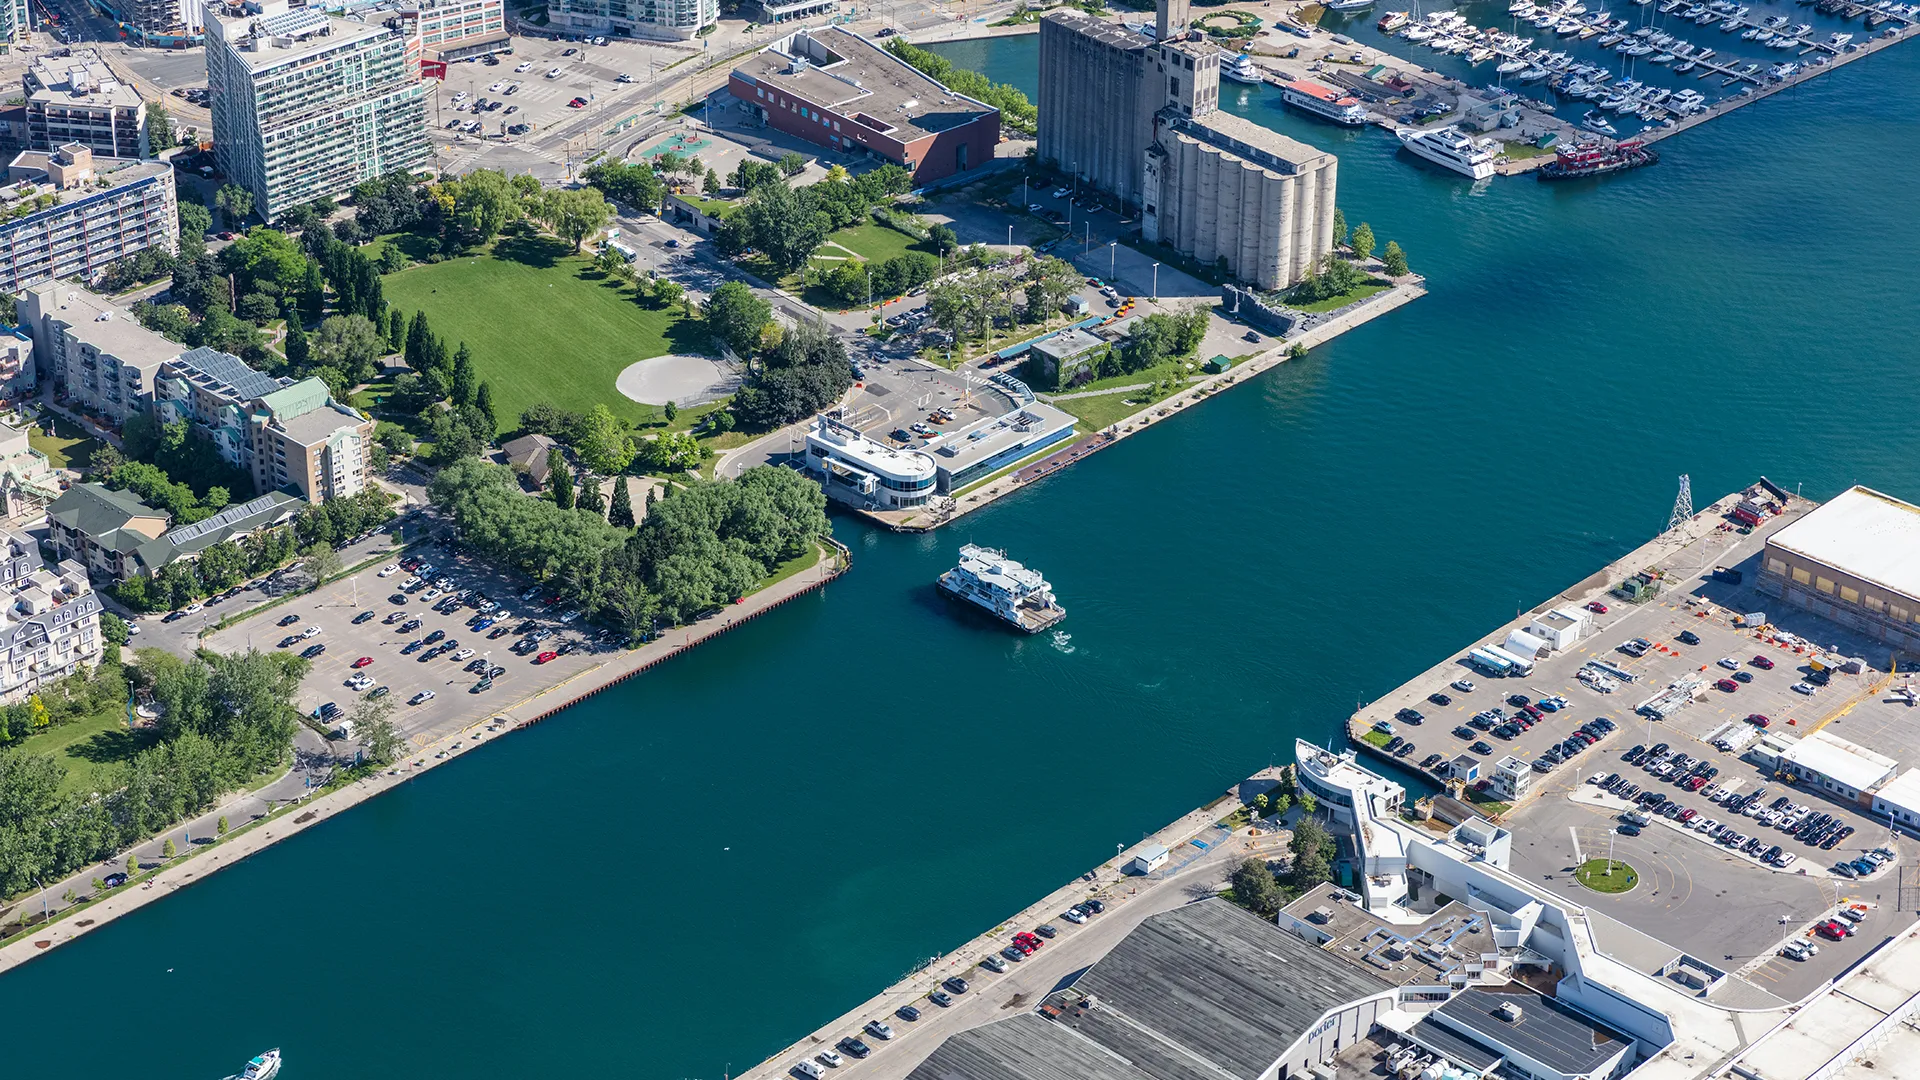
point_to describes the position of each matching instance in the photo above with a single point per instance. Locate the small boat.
(1802, 30)
(1480, 56)
(1512, 67)
(1419, 33)
(1593, 121)
(1662, 58)
(263, 1067)
(1533, 74)
(1349, 5)
(1520, 7)
(1774, 22)
(1685, 65)
(1838, 40)
(1730, 25)
(1750, 33)
(1391, 21)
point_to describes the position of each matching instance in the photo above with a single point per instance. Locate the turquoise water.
(686, 874)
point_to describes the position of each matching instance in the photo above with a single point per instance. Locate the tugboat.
(1016, 594)
(1596, 158)
(264, 1067)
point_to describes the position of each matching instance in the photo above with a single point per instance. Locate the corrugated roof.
(1834, 757)
(1873, 536)
(1546, 1031)
(297, 400)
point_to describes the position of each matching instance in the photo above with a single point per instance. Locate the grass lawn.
(1594, 875)
(543, 324)
(875, 242)
(1519, 151)
(89, 747)
(799, 563)
(1376, 739)
(1329, 304)
(1103, 410)
(67, 448)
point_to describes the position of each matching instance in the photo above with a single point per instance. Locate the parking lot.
(360, 617)
(1720, 901)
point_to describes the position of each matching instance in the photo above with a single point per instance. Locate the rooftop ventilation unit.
(1509, 1012)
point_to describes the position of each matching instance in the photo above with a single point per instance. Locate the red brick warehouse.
(840, 91)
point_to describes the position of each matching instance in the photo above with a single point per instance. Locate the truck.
(1522, 666)
(1490, 664)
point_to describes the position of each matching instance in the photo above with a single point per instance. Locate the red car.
(1596, 606)
(363, 661)
(545, 656)
(1727, 685)
(1758, 720)
(577, 103)
(1833, 929)
(1762, 663)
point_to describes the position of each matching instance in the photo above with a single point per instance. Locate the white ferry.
(264, 1067)
(1244, 70)
(1324, 102)
(1449, 148)
(1015, 593)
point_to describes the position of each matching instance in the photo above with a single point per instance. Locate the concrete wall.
(1212, 204)
(1096, 106)
(1833, 593)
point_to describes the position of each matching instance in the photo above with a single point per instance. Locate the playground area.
(680, 378)
(684, 144)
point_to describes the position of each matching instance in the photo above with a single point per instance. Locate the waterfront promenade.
(295, 814)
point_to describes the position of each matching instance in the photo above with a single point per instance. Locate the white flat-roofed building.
(983, 448)
(1855, 560)
(1899, 801)
(1338, 782)
(862, 472)
(1831, 763)
(77, 98)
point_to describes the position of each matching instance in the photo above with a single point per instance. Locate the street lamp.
(1113, 253)
(1156, 281)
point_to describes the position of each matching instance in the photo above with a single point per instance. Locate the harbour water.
(682, 875)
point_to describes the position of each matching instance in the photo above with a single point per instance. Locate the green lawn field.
(543, 325)
(872, 240)
(89, 748)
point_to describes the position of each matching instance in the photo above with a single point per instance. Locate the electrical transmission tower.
(1682, 505)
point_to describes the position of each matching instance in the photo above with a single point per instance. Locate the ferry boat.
(1016, 594)
(1451, 149)
(1243, 70)
(264, 1067)
(1392, 20)
(1596, 158)
(1324, 102)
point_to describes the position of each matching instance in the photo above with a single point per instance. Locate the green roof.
(297, 400)
(96, 510)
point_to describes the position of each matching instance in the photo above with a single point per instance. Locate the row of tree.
(223, 721)
(706, 545)
(785, 225)
(1016, 110)
(974, 303)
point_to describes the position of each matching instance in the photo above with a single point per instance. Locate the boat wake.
(1063, 641)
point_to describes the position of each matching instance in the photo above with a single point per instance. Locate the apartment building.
(285, 434)
(100, 360)
(657, 19)
(75, 97)
(15, 23)
(164, 23)
(50, 626)
(67, 214)
(112, 536)
(450, 30)
(307, 105)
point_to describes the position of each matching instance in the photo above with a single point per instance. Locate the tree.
(1308, 804)
(712, 182)
(791, 163)
(483, 404)
(1339, 227)
(621, 513)
(1256, 889)
(298, 349)
(669, 451)
(665, 292)
(350, 344)
(943, 239)
(1313, 851)
(195, 223)
(235, 203)
(373, 725)
(160, 134)
(670, 411)
(784, 231)
(1362, 242)
(591, 500)
(320, 561)
(167, 850)
(220, 826)
(606, 445)
(575, 214)
(483, 202)
(736, 316)
(559, 479)
(396, 331)
(466, 383)
(1280, 804)
(1394, 260)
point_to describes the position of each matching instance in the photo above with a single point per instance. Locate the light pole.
(1009, 235)
(1113, 254)
(1156, 281)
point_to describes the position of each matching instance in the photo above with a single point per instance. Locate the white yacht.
(1243, 70)
(264, 1067)
(1014, 592)
(1450, 148)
